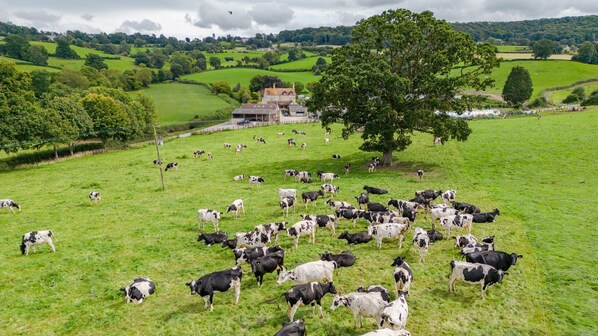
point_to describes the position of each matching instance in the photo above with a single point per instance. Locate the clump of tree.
(576, 96)
(587, 53)
(95, 61)
(544, 48)
(518, 87)
(539, 102)
(394, 76)
(591, 100)
(63, 49)
(18, 47)
(319, 67)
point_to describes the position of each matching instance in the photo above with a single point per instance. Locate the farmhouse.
(257, 112)
(285, 99)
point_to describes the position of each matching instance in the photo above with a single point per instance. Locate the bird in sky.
(230, 12)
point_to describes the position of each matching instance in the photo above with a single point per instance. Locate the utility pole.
(159, 160)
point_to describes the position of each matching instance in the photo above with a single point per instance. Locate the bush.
(592, 99)
(539, 102)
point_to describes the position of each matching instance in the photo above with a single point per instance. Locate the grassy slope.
(139, 230)
(302, 64)
(558, 96)
(244, 75)
(176, 102)
(514, 49)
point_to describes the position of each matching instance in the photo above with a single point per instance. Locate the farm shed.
(257, 112)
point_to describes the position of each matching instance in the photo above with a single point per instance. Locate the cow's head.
(201, 237)
(514, 257)
(22, 247)
(281, 226)
(344, 235)
(339, 301)
(326, 256)
(286, 275)
(397, 262)
(331, 288)
(291, 231)
(193, 285)
(231, 207)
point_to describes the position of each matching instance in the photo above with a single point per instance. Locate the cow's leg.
(401, 237)
(216, 227)
(297, 242)
(313, 236)
(27, 249)
(320, 306)
(448, 232)
(293, 311)
(211, 302)
(206, 299)
(237, 285)
(51, 245)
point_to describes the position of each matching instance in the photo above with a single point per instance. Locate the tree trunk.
(72, 148)
(387, 158)
(55, 153)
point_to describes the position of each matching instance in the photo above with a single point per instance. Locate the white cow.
(388, 231)
(394, 316)
(35, 238)
(207, 215)
(282, 193)
(312, 271)
(303, 228)
(422, 242)
(361, 304)
(139, 289)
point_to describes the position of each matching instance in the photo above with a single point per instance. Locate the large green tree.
(544, 48)
(518, 87)
(15, 46)
(95, 61)
(587, 53)
(398, 70)
(37, 55)
(63, 49)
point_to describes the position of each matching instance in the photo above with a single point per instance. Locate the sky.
(201, 18)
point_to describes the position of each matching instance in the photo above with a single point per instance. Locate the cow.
(438, 141)
(301, 133)
(356, 238)
(139, 289)
(471, 248)
(428, 194)
(239, 178)
(227, 145)
(290, 173)
(280, 134)
(212, 238)
(267, 264)
(305, 294)
(210, 156)
(449, 196)
(172, 165)
(251, 239)
(485, 217)
(329, 188)
(403, 205)
(94, 197)
(291, 142)
(247, 255)
(350, 213)
(378, 290)
(286, 203)
(388, 332)
(388, 231)
(326, 140)
(347, 168)
(362, 199)
(262, 140)
(235, 207)
(271, 229)
(328, 176)
(361, 304)
(499, 260)
(34, 238)
(338, 204)
(344, 259)
(198, 153)
(303, 145)
(461, 221)
(394, 315)
(312, 271)
(230, 243)
(462, 241)
(376, 207)
(311, 196)
(336, 156)
(422, 242)
(217, 282)
(295, 328)
(302, 228)
(403, 275)
(10, 204)
(466, 208)
(440, 212)
(474, 273)
(302, 174)
(256, 180)
(282, 193)
(157, 162)
(305, 180)
(326, 221)
(207, 215)
(420, 174)
(371, 168)
(374, 190)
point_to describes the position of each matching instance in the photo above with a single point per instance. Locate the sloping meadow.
(139, 230)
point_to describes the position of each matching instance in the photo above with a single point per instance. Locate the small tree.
(95, 61)
(215, 62)
(587, 53)
(518, 87)
(63, 49)
(37, 55)
(221, 86)
(544, 48)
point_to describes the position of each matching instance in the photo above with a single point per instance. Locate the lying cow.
(338, 204)
(139, 289)
(295, 328)
(499, 260)
(239, 178)
(428, 194)
(374, 190)
(474, 273)
(388, 332)
(251, 239)
(344, 259)
(378, 290)
(356, 238)
(217, 282)
(312, 271)
(485, 217)
(212, 238)
(34, 238)
(361, 304)
(305, 294)
(350, 213)
(434, 235)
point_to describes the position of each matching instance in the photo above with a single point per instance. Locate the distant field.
(302, 64)
(558, 96)
(176, 102)
(513, 49)
(244, 75)
(531, 56)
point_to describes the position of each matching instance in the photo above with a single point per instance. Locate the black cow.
(473, 273)
(362, 199)
(428, 194)
(344, 259)
(384, 294)
(217, 282)
(376, 207)
(485, 217)
(356, 238)
(172, 165)
(230, 243)
(296, 328)
(349, 213)
(248, 255)
(499, 260)
(466, 208)
(311, 196)
(374, 190)
(434, 235)
(267, 264)
(305, 294)
(212, 238)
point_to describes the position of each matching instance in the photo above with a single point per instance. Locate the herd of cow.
(313, 280)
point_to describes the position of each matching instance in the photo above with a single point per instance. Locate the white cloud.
(215, 14)
(143, 26)
(39, 18)
(271, 14)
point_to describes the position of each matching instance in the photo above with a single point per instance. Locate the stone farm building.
(285, 99)
(257, 112)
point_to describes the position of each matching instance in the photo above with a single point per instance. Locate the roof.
(257, 109)
(279, 92)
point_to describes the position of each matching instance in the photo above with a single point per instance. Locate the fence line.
(213, 129)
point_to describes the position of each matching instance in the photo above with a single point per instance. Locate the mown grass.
(302, 64)
(244, 75)
(534, 171)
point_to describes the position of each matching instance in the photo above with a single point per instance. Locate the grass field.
(302, 64)
(139, 230)
(176, 102)
(558, 96)
(244, 75)
(514, 49)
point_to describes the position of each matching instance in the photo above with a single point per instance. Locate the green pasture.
(514, 49)
(302, 64)
(559, 96)
(177, 103)
(244, 75)
(547, 215)
(27, 66)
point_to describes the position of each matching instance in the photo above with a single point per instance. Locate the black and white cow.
(213, 238)
(439, 212)
(271, 229)
(262, 140)
(217, 282)
(280, 133)
(336, 156)
(474, 273)
(286, 203)
(462, 241)
(434, 235)
(374, 190)
(139, 289)
(34, 238)
(302, 228)
(230, 243)
(378, 290)
(350, 213)
(420, 174)
(198, 153)
(290, 173)
(377, 207)
(499, 260)
(239, 178)
(394, 316)
(320, 270)
(466, 207)
(172, 165)
(355, 238)
(449, 196)
(388, 231)
(295, 328)
(247, 255)
(362, 199)
(227, 145)
(372, 167)
(485, 217)
(311, 196)
(460, 221)
(403, 275)
(256, 180)
(235, 207)
(302, 175)
(329, 188)
(477, 248)
(267, 264)
(303, 145)
(291, 142)
(251, 239)
(10, 205)
(323, 221)
(402, 205)
(94, 198)
(207, 215)
(338, 204)
(305, 294)
(428, 194)
(361, 304)
(157, 162)
(422, 242)
(344, 259)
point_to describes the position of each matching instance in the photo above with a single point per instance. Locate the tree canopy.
(544, 48)
(518, 87)
(398, 70)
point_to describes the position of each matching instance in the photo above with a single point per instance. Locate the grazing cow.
(403, 275)
(374, 190)
(312, 271)
(256, 180)
(422, 242)
(388, 332)
(438, 141)
(303, 145)
(347, 168)
(462, 241)
(338, 204)
(356, 238)
(301, 133)
(290, 172)
(466, 208)
(271, 229)
(262, 140)
(326, 140)
(362, 199)
(474, 273)
(394, 315)
(217, 282)
(376, 207)
(251, 239)
(449, 196)
(286, 203)
(227, 145)
(210, 155)
(440, 212)
(248, 255)
(207, 215)
(311, 196)
(305, 180)
(420, 174)
(499, 260)
(485, 217)
(212, 238)
(302, 174)
(172, 165)
(378, 290)
(267, 264)
(350, 213)
(236, 207)
(282, 193)
(302, 228)
(10, 204)
(361, 304)
(460, 221)
(296, 328)
(139, 289)
(291, 142)
(329, 188)
(305, 294)
(239, 178)
(388, 231)
(326, 221)
(428, 194)
(280, 133)
(157, 162)
(336, 156)
(34, 238)
(328, 176)
(94, 197)
(198, 153)
(344, 259)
